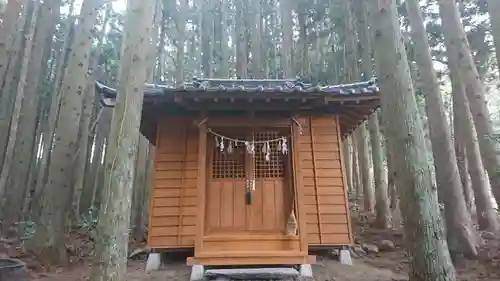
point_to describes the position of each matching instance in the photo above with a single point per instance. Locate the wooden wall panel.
(173, 213)
(225, 204)
(251, 245)
(227, 211)
(269, 209)
(327, 213)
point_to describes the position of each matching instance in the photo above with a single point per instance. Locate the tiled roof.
(353, 103)
(276, 86)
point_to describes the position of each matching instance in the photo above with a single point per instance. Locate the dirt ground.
(326, 269)
(388, 265)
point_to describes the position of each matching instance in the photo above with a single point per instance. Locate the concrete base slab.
(306, 271)
(197, 272)
(345, 257)
(252, 273)
(154, 262)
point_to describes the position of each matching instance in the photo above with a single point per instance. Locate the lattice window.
(275, 167)
(228, 165)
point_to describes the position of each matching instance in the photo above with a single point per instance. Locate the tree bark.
(364, 168)
(486, 215)
(161, 47)
(302, 61)
(180, 23)
(458, 220)
(102, 144)
(494, 10)
(48, 240)
(257, 69)
(206, 35)
(458, 49)
(48, 133)
(286, 10)
(89, 128)
(364, 45)
(81, 156)
(16, 196)
(347, 151)
(423, 227)
(8, 33)
(110, 259)
(391, 176)
(138, 190)
(463, 165)
(382, 205)
(241, 40)
(358, 188)
(223, 69)
(148, 191)
(11, 55)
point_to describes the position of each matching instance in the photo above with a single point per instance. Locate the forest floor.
(371, 263)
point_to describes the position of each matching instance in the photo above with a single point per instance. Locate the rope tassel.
(291, 224)
(220, 142)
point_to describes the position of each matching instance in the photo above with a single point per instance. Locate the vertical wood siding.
(174, 201)
(227, 211)
(173, 216)
(326, 207)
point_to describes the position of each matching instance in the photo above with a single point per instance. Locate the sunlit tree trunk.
(352, 76)
(458, 220)
(356, 178)
(463, 164)
(91, 106)
(486, 215)
(382, 205)
(423, 227)
(241, 40)
(257, 69)
(364, 168)
(81, 156)
(140, 185)
(494, 10)
(49, 237)
(12, 213)
(458, 49)
(286, 10)
(110, 258)
(50, 123)
(223, 70)
(181, 40)
(9, 30)
(347, 151)
(11, 53)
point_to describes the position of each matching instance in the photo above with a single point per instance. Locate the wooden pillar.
(299, 188)
(201, 186)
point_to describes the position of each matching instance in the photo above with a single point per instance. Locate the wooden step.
(257, 253)
(248, 237)
(273, 273)
(251, 258)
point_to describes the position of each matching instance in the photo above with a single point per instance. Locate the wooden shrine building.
(249, 171)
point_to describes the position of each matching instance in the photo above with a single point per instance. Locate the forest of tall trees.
(426, 164)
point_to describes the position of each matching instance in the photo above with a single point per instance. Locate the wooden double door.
(248, 193)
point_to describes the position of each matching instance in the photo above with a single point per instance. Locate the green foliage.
(28, 228)
(89, 220)
(109, 52)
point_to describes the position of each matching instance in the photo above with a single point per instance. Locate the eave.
(353, 103)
